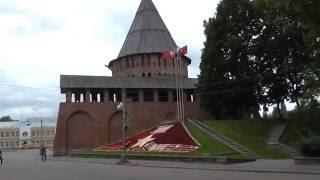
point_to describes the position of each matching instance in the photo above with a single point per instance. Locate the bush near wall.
(310, 147)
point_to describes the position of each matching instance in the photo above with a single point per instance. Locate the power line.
(29, 87)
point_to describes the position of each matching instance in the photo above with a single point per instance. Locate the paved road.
(28, 166)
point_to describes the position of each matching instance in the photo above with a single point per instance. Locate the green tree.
(6, 119)
(290, 43)
(260, 52)
(227, 66)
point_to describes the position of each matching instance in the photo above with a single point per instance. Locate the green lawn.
(209, 146)
(249, 133)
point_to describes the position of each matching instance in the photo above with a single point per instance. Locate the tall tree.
(260, 52)
(287, 45)
(227, 65)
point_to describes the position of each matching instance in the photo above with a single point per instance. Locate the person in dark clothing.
(1, 158)
(43, 153)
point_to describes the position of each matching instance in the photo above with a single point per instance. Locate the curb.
(197, 168)
(201, 159)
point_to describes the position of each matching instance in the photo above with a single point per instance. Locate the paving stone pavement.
(27, 165)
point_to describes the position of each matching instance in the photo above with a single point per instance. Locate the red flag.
(168, 55)
(183, 51)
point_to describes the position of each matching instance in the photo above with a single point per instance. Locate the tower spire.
(148, 33)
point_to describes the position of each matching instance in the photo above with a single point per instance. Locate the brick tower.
(89, 117)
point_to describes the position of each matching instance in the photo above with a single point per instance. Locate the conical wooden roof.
(148, 33)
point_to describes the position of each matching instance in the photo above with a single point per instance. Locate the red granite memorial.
(173, 137)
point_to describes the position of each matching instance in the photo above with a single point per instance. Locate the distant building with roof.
(16, 135)
(89, 116)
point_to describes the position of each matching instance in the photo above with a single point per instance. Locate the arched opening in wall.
(143, 74)
(80, 132)
(81, 97)
(163, 95)
(189, 93)
(90, 98)
(94, 97)
(115, 127)
(99, 97)
(73, 98)
(77, 97)
(115, 95)
(159, 74)
(148, 95)
(132, 95)
(149, 74)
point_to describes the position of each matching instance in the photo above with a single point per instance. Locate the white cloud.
(41, 39)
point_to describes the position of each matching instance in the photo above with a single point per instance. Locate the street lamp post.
(123, 106)
(41, 127)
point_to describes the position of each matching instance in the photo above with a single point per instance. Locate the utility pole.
(123, 159)
(41, 127)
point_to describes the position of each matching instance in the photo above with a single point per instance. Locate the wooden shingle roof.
(101, 82)
(148, 33)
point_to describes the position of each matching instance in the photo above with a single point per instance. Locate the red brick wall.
(89, 125)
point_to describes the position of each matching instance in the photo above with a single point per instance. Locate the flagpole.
(180, 88)
(182, 93)
(177, 84)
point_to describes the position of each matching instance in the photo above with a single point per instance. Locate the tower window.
(132, 62)
(142, 60)
(159, 58)
(127, 63)
(148, 60)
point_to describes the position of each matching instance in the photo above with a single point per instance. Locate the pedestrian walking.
(43, 153)
(1, 158)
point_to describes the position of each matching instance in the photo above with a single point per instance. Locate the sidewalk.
(263, 166)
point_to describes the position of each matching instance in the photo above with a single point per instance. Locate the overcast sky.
(41, 39)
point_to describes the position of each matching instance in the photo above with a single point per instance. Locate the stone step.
(273, 141)
(225, 140)
(275, 134)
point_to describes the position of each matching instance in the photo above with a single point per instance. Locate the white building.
(15, 135)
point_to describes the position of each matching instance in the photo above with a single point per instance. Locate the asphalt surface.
(27, 165)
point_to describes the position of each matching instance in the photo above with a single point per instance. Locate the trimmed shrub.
(310, 147)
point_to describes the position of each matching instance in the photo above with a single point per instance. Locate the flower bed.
(166, 138)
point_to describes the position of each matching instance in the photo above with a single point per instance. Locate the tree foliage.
(226, 59)
(263, 51)
(6, 119)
